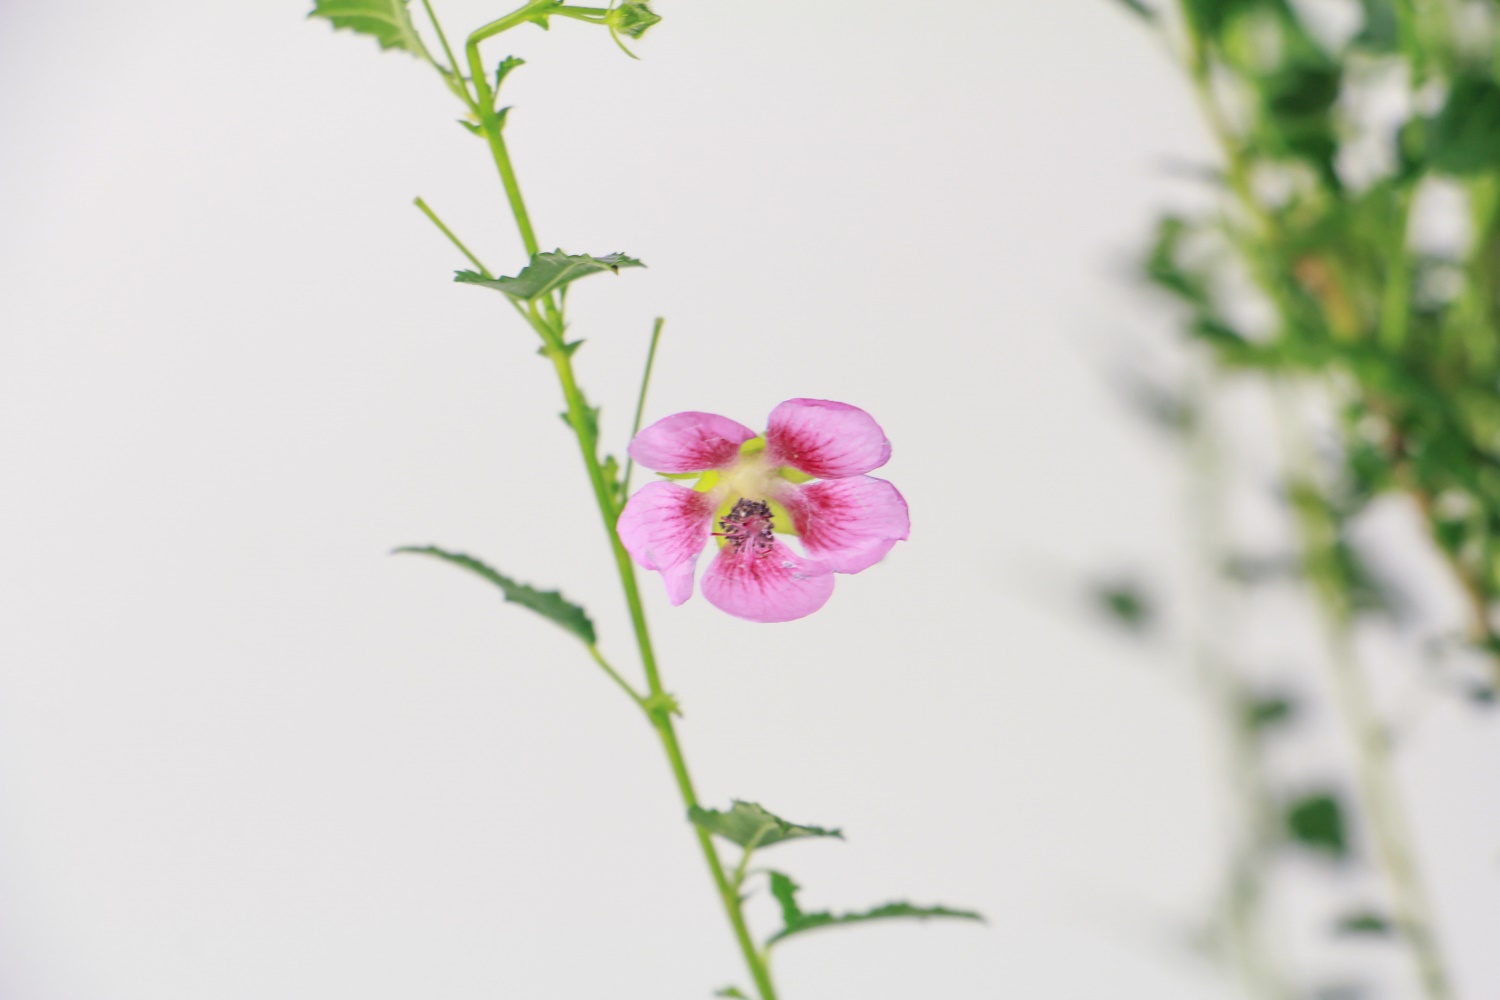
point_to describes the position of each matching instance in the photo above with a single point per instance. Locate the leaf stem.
(454, 239)
(640, 403)
(615, 676)
(451, 72)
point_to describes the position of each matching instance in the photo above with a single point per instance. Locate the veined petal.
(664, 526)
(772, 586)
(690, 442)
(847, 524)
(825, 439)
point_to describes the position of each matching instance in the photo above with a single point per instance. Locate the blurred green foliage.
(1320, 233)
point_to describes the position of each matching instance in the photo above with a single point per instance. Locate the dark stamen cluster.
(749, 521)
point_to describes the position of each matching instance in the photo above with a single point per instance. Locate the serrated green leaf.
(548, 272)
(747, 823)
(547, 603)
(1316, 822)
(1363, 922)
(590, 421)
(796, 921)
(387, 21)
(507, 64)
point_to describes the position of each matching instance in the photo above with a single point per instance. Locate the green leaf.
(730, 991)
(548, 272)
(1127, 603)
(1268, 711)
(1464, 137)
(504, 69)
(1363, 922)
(1380, 32)
(1140, 9)
(547, 603)
(746, 823)
(1316, 822)
(386, 20)
(785, 891)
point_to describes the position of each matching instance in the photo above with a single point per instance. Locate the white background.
(246, 754)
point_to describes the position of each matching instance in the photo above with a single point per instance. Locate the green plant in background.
(1342, 146)
(805, 477)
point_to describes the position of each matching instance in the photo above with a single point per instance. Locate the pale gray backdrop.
(246, 754)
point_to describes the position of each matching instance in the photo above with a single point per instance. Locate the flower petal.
(825, 439)
(847, 524)
(690, 442)
(774, 586)
(664, 526)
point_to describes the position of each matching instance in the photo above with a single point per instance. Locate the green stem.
(490, 122)
(640, 403)
(662, 721)
(450, 72)
(1379, 795)
(454, 239)
(551, 329)
(1253, 837)
(593, 15)
(1395, 306)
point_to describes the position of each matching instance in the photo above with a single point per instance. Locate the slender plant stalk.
(1379, 795)
(548, 322)
(640, 403)
(1241, 909)
(452, 238)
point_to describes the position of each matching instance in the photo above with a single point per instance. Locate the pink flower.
(804, 477)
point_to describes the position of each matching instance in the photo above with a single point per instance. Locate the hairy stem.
(550, 324)
(661, 720)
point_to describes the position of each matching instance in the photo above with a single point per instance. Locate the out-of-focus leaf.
(1263, 712)
(547, 603)
(1378, 34)
(1363, 922)
(548, 272)
(1464, 136)
(1126, 603)
(1163, 263)
(1316, 822)
(730, 991)
(1251, 569)
(796, 921)
(747, 823)
(1140, 9)
(1210, 17)
(1297, 104)
(387, 21)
